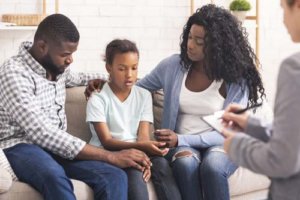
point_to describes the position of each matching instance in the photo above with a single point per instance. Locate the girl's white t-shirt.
(122, 118)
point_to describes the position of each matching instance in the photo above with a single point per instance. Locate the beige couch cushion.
(5, 164)
(5, 180)
(23, 191)
(244, 181)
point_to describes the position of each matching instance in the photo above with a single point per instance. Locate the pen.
(247, 108)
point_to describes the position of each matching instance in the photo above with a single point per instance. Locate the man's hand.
(93, 85)
(153, 147)
(130, 158)
(167, 136)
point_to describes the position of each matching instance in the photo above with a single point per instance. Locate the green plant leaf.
(240, 5)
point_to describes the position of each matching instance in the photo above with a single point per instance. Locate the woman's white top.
(194, 105)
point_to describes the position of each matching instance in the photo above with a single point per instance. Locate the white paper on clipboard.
(215, 120)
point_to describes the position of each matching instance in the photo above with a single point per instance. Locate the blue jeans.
(162, 179)
(201, 174)
(137, 187)
(50, 174)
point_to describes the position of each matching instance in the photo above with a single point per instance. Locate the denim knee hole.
(184, 154)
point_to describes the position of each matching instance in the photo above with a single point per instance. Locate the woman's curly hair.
(227, 52)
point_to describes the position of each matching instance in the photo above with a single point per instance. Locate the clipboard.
(214, 120)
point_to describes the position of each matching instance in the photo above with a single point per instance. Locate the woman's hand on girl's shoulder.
(93, 85)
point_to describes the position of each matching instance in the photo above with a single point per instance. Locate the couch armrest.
(5, 180)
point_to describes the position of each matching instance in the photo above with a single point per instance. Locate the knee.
(212, 167)
(185, 157)
(117, 177)
(160, 168)
(54, 175)
(160, 163)
(185, 160)
(112, 178)
(118, 184)
(112, 184)
(207, 169)
(135, 179)
(134, 175)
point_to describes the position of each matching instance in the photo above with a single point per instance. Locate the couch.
(244, 184)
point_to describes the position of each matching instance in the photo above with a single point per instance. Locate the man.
(33, 123)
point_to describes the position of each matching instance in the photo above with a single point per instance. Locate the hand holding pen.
(236, 117)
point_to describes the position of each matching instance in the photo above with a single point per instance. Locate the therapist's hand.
(235, 121)
(228, 134)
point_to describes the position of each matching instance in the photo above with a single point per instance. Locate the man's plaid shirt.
(32, 108)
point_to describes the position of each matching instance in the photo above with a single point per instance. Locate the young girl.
(120, 117)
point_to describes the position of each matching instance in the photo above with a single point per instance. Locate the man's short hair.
(57, 28)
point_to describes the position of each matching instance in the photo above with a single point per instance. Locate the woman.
(273, 150)
(216, 67)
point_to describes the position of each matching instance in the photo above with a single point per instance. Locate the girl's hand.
(146, 174)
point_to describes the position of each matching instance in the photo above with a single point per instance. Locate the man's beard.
(49, 65)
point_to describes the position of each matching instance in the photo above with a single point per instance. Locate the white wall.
(155, 25)
(275, 44)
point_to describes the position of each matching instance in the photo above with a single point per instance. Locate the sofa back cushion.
(158, 101)
(75, 111)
